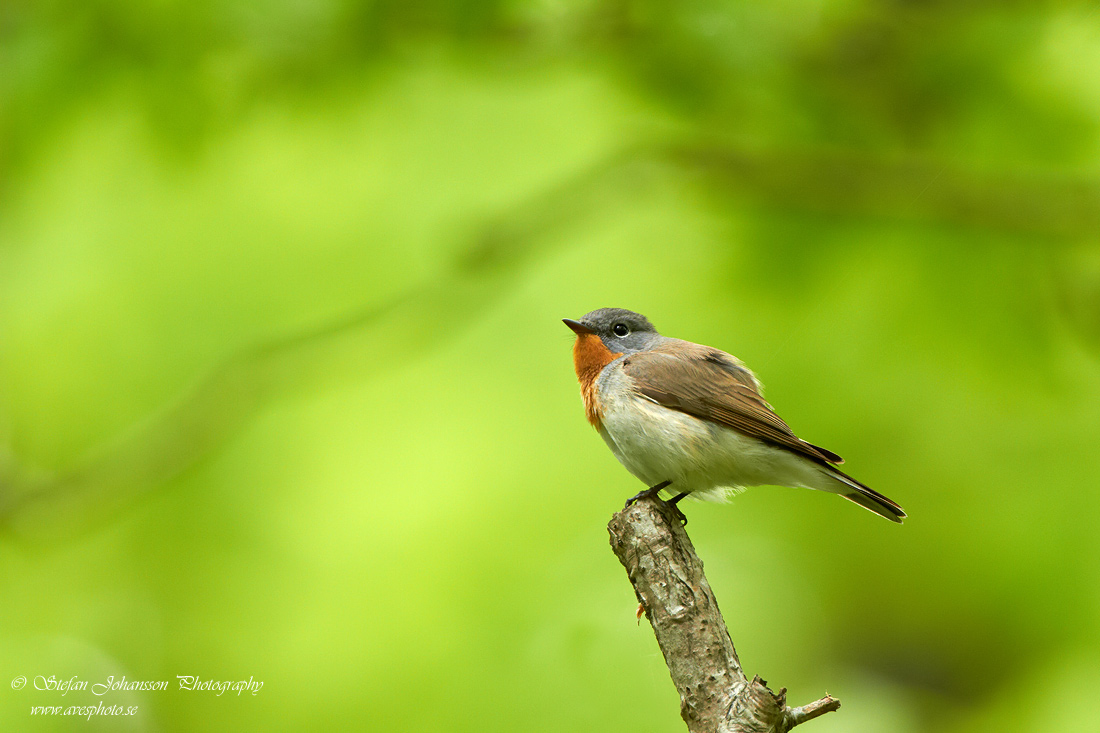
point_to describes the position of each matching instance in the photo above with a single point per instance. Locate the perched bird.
(693, 419)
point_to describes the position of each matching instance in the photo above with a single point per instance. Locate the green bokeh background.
(284, 392)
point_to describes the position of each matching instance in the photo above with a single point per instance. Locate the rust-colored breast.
(590, 356)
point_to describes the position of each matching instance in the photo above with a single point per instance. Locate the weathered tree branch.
(667, 575)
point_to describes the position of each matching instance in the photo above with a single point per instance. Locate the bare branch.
(815, 709)
(667, 575)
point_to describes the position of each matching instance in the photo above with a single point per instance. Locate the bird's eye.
(620, 329)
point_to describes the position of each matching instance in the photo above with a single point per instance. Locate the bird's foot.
(654, 492)
(651, 492)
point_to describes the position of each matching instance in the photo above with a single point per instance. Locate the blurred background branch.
(174, 439)
(166, 444)
(850, 184)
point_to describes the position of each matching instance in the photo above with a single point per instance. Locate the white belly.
(658, 444)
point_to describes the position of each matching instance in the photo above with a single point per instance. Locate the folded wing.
(713, 385)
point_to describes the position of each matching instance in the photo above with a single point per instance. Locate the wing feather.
(713, 385)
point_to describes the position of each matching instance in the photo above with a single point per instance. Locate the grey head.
(619, 329)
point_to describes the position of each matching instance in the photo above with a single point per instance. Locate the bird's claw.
(652, 491)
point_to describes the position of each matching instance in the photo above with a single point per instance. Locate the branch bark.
(667, 575)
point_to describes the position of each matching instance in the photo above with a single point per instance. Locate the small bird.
(693, 418)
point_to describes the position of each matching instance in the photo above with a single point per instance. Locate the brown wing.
(712, 385)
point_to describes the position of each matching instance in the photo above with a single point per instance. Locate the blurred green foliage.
(284, 392)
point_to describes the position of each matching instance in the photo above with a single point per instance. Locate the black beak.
(578, 328)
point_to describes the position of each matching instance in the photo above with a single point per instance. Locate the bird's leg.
(654, 491)
(647, 493)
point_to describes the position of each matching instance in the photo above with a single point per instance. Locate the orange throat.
(590, 356)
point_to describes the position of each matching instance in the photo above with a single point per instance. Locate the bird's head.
(620, 330)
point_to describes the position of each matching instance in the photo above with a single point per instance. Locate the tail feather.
(868, 498)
